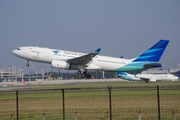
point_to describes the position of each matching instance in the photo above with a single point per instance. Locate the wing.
(83, 59)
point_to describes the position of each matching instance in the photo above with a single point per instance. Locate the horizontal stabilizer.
(152, 65)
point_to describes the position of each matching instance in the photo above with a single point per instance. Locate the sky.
(119, 27)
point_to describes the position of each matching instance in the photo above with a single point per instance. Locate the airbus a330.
(83, 62)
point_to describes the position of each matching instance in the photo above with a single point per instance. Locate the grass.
(93, 103)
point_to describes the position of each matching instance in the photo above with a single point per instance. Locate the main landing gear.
(84, 74)
(27, 63)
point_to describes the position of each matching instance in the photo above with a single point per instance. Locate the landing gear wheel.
(78, 72)
(88, 76)
(83, 75)
(27, 64)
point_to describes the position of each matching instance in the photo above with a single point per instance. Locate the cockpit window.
(18, 48)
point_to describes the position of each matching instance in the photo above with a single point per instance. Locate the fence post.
(110, 103)
(63, 104)
(139, 116)
(17, 106)
(12, 118)
(173, 116)
(75, 116)
(44, 118)
(158, 100)
(107, 115)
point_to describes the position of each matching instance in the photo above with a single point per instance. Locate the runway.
(84, 83)
(29, 85)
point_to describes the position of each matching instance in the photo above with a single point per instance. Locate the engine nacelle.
(60, 64)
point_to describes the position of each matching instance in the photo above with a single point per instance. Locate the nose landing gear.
(27, 63)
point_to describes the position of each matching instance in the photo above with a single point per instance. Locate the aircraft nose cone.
(14, 52)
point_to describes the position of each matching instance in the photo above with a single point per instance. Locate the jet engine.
(60, 64)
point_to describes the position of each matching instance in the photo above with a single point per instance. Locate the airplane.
(92, 61)
(148, 77)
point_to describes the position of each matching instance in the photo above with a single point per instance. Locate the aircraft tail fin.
(125, 76)
(154, 53)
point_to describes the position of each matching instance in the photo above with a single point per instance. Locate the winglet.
(97, 51)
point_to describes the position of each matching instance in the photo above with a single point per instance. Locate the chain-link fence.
(127, 103)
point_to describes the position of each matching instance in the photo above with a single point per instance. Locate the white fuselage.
(98, 62)
(161, 76)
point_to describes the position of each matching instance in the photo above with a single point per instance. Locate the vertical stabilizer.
(154, 53)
